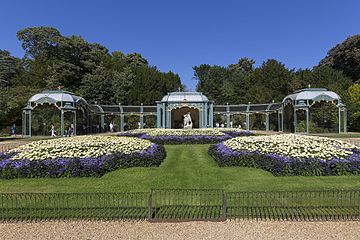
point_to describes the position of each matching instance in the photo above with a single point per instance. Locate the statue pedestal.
(188, 126)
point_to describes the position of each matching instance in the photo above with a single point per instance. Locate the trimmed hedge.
(283, 166)
(79, 167)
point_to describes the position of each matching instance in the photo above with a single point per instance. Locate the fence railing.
(183, 205)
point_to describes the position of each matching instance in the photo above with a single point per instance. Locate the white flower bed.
(79, 147)
(291, 145)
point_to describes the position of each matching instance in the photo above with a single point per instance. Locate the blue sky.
(177, 35)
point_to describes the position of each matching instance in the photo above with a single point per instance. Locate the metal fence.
(183, 205)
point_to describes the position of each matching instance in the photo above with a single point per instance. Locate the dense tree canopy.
(53, 61)
(345, 57)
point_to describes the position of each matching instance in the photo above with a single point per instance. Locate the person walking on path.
(13, 130)
(52, 130)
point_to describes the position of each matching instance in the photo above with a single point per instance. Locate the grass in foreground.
(186, 166)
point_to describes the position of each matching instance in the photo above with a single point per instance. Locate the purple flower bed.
(237, 133)
(79, 167)
(285, 166)
(194, 139)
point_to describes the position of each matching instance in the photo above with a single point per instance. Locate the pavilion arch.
(304, 99)
(63, 101)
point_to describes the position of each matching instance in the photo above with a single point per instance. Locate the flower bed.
(289, 154)
(183, 136)
(79, 156)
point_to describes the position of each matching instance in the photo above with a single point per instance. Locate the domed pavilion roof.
(185, 97)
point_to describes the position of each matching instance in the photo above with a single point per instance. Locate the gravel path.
(186, 230)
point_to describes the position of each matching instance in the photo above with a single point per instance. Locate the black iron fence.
(183, 205)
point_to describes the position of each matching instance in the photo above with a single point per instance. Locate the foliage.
(345, 57)
(71, 63)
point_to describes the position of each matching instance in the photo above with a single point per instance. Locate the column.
(74, 123)
(62, 123)
(279, 122)
(141, 116)
(29, 123)
(211, 115)
(248, 121)
(307, 120)
(158, 116)
(163, 115)
(339, 119)
(267, 121)
(122, 120)
(201, 114)
(227, 115)
(206, 114)
(102, 122)
(295, 120)
(23, 122)
(282, 120)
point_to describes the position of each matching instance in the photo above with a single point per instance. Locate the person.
(111, 125)
(231, 124)
(222, 125)
(13, 130)
(52, 130)
(217, 125)
(71, 130)
(239, 126)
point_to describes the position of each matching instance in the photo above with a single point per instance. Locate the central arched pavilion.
(173, 106)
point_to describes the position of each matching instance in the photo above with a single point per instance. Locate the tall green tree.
(345, 57)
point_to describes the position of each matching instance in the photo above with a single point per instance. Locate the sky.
(177, 35)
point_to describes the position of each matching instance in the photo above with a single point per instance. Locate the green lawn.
(186, 166)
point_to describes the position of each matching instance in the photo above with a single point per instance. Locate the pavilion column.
(74, 123)
(267, 122)
(248, 121)
(23, 130)
(307, 120)
(158, 116)
(345, 120)
(122, 120)
(141, 116)
(163, 116)
(339, 119)
(30, 123)
(279, 121)
(102, 122)
(227, 115)
(168, 118)
(206, 114)
(62, 123)
(211, 115)
(295, 120)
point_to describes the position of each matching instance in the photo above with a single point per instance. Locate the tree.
(244, 65)
(136, 60)
(9, 68)
(39, 40)
(345, 57)
(122, 83)
(211, 80)
(353, 105)
(97, 86)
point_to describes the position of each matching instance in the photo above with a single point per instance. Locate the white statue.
(187, 121)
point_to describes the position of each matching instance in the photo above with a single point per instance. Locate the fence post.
(224, 205)
(150, 206)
